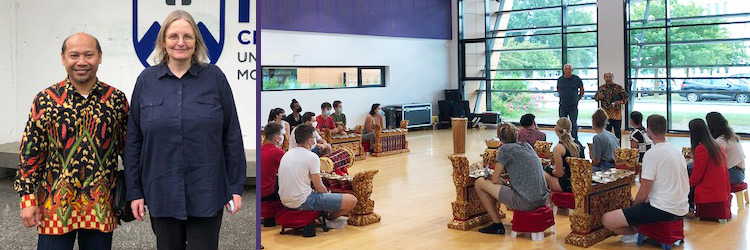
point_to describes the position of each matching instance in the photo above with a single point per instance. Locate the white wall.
(611, 40)
(31, 35)
(7, 73)
(417, 70)
(611, 43)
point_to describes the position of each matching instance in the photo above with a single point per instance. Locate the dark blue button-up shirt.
(568, 90)
(184, 151)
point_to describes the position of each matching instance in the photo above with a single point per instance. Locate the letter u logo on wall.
(206, 14)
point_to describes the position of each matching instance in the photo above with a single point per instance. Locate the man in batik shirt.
(611, 97)
(69, 151)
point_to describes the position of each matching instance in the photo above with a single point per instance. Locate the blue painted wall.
(394, 18)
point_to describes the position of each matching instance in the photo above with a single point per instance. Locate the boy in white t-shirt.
(663, 194)
(298, 169)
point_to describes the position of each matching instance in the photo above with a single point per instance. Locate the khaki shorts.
(515, 202)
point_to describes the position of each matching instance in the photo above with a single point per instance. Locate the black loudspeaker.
(449, 109)
(445, 110)
(453, 95)
(391, 117)
(460, 108)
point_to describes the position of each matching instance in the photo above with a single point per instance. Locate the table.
(592, 201)
(390, 141)
(361, 187)
(468, 211)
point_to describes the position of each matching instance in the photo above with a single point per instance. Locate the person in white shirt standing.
(299, 168)
(727, 139)
(663, 195)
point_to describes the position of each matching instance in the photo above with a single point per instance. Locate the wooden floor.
(413, 194)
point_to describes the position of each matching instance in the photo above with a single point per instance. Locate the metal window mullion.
(563, 30)
(488, 68)
(668, 60)
(487, 53)
(626, 50)
(577, 5)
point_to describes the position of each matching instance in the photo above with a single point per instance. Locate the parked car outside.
(696, 90)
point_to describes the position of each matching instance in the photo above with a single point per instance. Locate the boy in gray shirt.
(603, 149)
(529, 189)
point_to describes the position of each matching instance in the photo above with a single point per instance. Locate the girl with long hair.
(374, 117)
(709, 178)
(726, 138)
(558, 178)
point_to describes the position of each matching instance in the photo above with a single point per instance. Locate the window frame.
(383, 75)
(668, 25)
(563, 30)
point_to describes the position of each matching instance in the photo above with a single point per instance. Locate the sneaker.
(495, 228)
(337, 223)
(630, 238)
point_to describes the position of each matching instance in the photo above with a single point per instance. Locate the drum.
(337, 161)
(459, 134)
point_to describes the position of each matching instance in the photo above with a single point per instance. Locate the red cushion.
(565, 200)
(739, 187)
(269, 209)
(366, 146)
(536, 220)
(667, 232)
(718, 210)
(295, 218)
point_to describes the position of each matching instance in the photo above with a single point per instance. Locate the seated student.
(524, 168)
(558, 178)
(299, 168)
(726, 138)
(338, 113)
(709, 180)
(325, 121)
(529, 132)
(322, 147)
(638, 138)
(374, 117)
(296, 117)
(603, 148)
(277, 116)
(270, 158)
(662, 195)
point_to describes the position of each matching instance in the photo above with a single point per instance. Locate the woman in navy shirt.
(184, 156)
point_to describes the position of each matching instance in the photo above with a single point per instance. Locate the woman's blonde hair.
(563, 128)
(200, 55)
(507, 133)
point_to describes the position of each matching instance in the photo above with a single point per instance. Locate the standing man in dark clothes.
(570, 90)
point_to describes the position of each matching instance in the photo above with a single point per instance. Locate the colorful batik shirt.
(69, 155)
(612, 93)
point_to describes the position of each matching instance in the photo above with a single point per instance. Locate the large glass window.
(530, 42)
(688, 58)
(308, 77)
